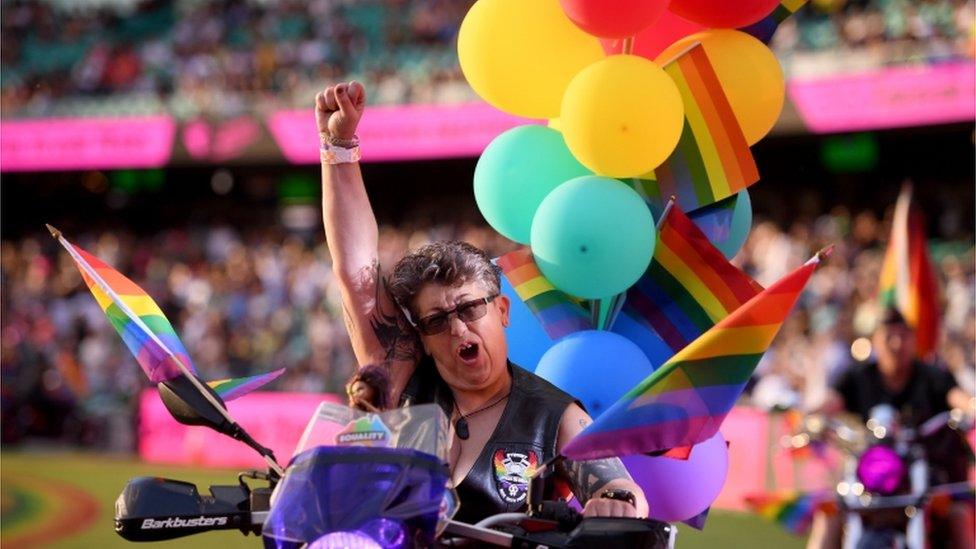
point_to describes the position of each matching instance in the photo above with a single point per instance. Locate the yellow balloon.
(622, 116)
(749, 73)
(519, 55)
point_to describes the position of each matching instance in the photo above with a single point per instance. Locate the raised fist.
(339, 108)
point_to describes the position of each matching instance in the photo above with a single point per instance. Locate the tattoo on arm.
(393, 332)
(588, 476)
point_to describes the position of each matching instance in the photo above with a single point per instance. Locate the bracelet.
(338, 155)
(620, 494)
(334, 141)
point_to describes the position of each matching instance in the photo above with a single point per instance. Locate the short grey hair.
(449, 263)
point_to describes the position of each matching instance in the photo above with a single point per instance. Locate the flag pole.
(80, 261)
(666, 211)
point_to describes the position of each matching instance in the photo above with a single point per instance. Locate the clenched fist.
(339, 108)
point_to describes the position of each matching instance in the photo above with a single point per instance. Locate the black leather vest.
(524, 438)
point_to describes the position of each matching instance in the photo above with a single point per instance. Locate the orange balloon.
(749, 72)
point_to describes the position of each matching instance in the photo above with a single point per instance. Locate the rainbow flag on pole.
(793, 511)
(908, 280)
(712, 160)
(558, 314)
(685, 400)
(144, 328)
(689, 285)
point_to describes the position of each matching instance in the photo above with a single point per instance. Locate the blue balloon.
(726, 223)
(596, 367)
(527, 341)
(654, 348)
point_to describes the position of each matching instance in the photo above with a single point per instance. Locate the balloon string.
(628, 48)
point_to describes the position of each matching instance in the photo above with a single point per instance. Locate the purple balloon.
(677, 489)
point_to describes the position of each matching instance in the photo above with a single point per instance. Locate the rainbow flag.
(908, 280)
(144, 329)
(229, 389)
(689, 285)
(766, 27)
(558, 313)
(792, 510)
(712, 160)
(685, 400)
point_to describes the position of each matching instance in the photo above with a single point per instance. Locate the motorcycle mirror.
(188, 406)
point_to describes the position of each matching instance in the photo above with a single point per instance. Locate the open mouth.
(468, 351)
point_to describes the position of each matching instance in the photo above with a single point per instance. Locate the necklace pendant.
(461, 428)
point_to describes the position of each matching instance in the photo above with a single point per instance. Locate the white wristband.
(338, 155)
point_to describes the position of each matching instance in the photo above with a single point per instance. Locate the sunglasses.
(469, 311)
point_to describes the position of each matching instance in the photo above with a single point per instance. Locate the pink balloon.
(654, 39)
(723, 14)
(613, 18)
(679, 490)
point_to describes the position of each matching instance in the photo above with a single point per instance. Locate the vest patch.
(512, 473)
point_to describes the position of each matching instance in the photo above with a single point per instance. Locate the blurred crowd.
(248, 300)
(836, 36)
(220, 59)
(198, 57)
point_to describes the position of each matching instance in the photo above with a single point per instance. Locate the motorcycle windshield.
(387, 498)
(423, 428)
(366, 480)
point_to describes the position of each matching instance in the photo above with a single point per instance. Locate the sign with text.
(408, 132)
(888, 98)
(86, 143)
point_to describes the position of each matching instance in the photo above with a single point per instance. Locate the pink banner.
(85, 143)
(275, 420)
(410, 132)
(889, 98)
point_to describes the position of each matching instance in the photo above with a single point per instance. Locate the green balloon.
(593, 237)
(516, 171)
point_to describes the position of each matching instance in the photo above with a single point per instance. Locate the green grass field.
(38, 488)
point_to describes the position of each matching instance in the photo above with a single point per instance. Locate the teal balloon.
(516, 172)
(593, 237)
(726, 223)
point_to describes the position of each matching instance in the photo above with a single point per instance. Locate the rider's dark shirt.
(924, 395)
(524, 438)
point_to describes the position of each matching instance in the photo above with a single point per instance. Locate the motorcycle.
(357, 479)
(886, 486)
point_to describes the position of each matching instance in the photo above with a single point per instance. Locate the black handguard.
(153, 509)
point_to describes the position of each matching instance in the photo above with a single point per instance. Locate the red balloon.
(654, 39)
(613, 18)
(723, 14)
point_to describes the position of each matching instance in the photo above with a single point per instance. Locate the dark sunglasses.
(469, 311)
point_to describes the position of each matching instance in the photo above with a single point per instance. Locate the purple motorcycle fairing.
(881, 470)
(391, 496)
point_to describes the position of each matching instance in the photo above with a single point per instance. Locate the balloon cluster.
(594, 70)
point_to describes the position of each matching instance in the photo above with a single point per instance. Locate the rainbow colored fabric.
(558, 314)
(766, 27)
(229, 389)
(686, 400)
(792, 511)
(144, 329)
(134, 303)
(689, 285)
(908, 280)
(712, 160)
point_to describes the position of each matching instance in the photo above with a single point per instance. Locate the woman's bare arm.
(378, 331)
